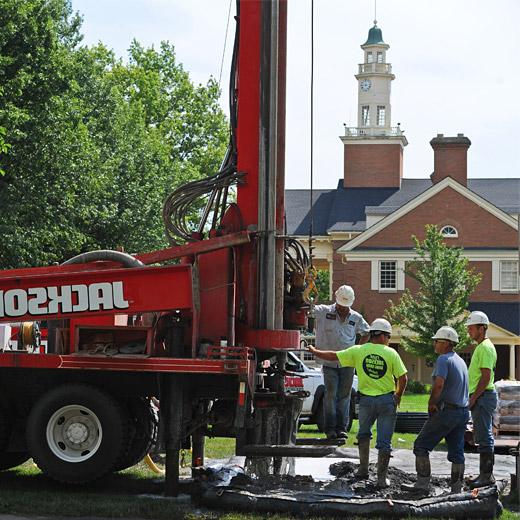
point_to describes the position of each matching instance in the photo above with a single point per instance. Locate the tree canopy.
(4, 147)
(445, 285)
(96, 143)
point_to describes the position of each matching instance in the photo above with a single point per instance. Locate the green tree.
(445, 285)
(4, 147)
(169, 131)
(322, 283)
(97, 143)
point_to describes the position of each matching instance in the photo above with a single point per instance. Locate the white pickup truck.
(312, 378)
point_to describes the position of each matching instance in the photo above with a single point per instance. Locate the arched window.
(449, 232)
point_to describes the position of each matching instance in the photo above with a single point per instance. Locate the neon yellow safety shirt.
(484, 356)
(377, 367)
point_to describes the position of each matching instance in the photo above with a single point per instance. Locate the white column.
(512, 363)
(331, 274)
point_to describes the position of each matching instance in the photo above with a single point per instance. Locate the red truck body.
(190, 334)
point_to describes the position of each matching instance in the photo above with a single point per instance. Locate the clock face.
(365, 85)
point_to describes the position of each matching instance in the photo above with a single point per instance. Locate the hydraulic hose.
(105, 255)
(151, 464)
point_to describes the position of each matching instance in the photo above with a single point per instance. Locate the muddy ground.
(344, 483)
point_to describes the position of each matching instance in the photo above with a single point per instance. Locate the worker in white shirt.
(336, 328)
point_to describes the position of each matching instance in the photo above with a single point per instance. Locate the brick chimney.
(450, 158)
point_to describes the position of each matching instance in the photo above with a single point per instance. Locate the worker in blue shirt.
(448, 409)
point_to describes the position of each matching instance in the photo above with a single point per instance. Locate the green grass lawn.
(414, 403)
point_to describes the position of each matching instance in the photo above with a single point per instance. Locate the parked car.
(311, 379)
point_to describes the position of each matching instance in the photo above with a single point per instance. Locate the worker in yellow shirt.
(482, 395)
(378, 366)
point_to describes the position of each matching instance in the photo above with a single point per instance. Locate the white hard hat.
(381, 325)
(477, 318)
(448, 333)
(345, 296)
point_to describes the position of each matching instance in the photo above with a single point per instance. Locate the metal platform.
(288, 450)
(319, 441)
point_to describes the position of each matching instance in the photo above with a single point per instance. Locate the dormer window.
(449, 232)
(370, 57)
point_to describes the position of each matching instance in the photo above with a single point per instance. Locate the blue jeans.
(449, 424)
(380, 408)
(482, 416)
(338, 385)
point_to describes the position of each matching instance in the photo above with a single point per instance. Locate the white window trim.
(495, 275)
(400, 275)
(450, 236)
(498, 275)
(494, 258)
(374, 275)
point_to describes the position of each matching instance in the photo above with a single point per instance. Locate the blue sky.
(456, 67)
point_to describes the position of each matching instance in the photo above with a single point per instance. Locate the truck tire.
(12, 459)
(319, 416)
(144, 421)
(77, 433)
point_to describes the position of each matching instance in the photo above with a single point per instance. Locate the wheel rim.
(74, 433)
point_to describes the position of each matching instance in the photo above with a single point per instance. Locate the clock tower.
(373, 151)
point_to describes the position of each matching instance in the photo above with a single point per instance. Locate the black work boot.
(423, 468)
(364, 455)
(383, 459)
(485, 478)
(457, 477)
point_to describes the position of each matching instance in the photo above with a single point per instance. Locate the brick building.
(363, 227)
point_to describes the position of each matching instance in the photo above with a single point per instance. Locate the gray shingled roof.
(297, 214)
(334, 210)
(410, 188)
(345, 209)
(503, 193)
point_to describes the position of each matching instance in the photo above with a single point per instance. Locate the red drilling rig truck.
(190, 326)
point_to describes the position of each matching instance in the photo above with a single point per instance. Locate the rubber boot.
(383, 458)
(485, 477)
(423, 468)
(457, 477)
(364, 454)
